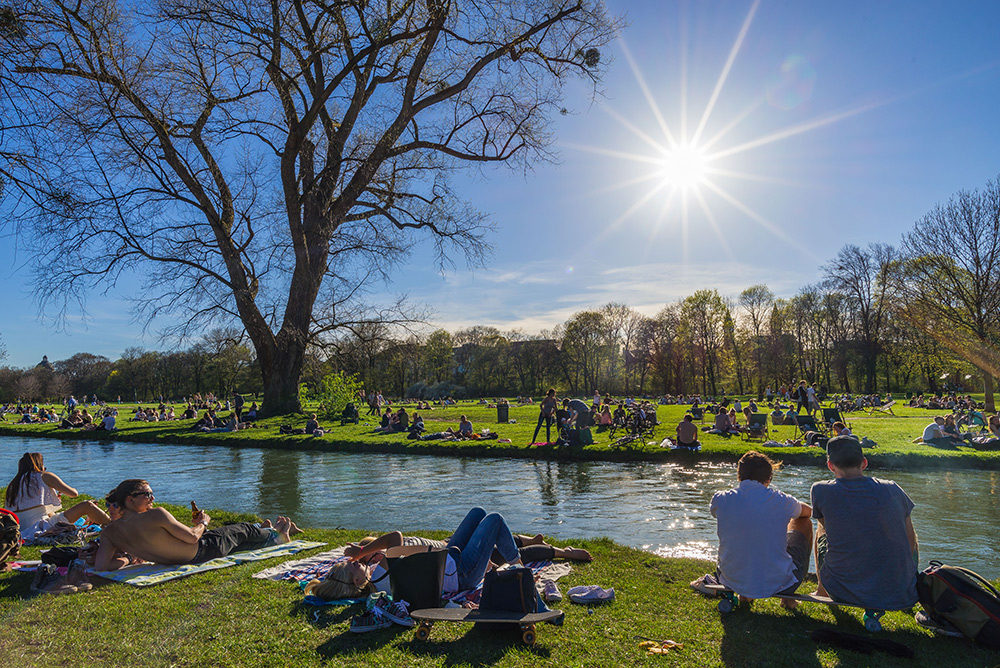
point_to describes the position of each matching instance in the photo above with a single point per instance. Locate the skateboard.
(526, 620)
(730, 601)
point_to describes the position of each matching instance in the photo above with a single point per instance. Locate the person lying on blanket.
(484, 540)
(154, 535)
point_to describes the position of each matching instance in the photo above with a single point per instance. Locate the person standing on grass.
(765, 536)
(238, 403)
(546, 414)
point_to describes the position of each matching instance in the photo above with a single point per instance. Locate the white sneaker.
(551, 592)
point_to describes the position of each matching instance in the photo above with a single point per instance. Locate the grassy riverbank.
(226, 618)
(894, 435)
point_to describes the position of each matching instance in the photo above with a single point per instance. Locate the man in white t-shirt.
(934, 433)
(765, 536)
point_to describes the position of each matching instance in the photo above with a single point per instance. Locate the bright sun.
(684, 167)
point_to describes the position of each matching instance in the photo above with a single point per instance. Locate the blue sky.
(836, 123)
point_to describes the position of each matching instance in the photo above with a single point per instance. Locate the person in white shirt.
(765, 536)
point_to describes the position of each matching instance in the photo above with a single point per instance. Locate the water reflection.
(658, 507)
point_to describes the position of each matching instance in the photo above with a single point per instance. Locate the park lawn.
(227, 618)
(893, 434)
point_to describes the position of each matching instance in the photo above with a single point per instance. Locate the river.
(654, 506)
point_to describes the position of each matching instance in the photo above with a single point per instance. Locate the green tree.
(438, 356)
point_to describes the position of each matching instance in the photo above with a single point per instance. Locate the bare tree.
(862, 275)
(757, 301)
(261, 161)
(950, 278)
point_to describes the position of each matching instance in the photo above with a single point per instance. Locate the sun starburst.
(689, 165)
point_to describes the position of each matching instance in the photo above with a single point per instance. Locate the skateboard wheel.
(423, 632)
(528, 636)
(873, 622)
(725, 606)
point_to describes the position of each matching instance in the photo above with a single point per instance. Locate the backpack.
(963, 599)
(511, 590)
(10, 537)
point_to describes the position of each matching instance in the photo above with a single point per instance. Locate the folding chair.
(885, 408)
(831, 415)
(698, 414)
(756, 428)
(806, 423)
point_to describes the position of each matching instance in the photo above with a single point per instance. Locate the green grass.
(894, 436)
(226, 618)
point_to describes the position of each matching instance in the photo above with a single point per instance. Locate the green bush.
(333, 393)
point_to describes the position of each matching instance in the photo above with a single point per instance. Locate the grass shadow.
(479, 647)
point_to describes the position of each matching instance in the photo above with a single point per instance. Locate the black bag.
(963, 599)
(62, 555)
(10, 537)
(510, 590)
(418, 578)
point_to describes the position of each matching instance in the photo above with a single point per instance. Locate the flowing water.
(658, 507)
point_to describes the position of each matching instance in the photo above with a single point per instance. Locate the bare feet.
(577, 554)
(266, 524)
(282, 527)
(788, 603)
(293, 528)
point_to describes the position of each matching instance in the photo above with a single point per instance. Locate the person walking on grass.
(546, 414)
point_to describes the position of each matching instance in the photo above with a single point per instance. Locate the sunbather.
(484, 540)
(153, 534)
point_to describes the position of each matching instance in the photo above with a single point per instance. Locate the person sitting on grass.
(402, 422)
(312, 426)
(934, 434)
(765, 536)
(464, 428)
(34, 495)
(605, 420)
(687, 433)
(722, 426)
(866, 547)
(72, 421)
(154, 535)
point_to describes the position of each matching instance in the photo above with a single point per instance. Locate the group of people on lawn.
(865, 544)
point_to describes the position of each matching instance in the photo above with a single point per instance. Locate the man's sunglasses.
(148, 495)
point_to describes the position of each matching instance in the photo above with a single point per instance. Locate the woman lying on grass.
(484, 540)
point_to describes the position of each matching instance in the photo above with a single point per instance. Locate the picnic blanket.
(143, 575)
(318, 565)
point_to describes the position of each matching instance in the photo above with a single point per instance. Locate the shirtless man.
(153, 534)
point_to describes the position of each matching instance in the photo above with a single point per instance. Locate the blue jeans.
(476, 537)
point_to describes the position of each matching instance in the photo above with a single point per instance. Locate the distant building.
(44, 364)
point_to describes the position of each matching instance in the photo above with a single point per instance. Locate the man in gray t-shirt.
(866, 547)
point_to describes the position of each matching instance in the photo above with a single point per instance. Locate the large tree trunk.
(991, 406)
(281, 382)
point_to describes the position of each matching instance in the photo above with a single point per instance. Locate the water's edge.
(815, 457)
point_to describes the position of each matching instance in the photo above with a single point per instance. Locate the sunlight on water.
(662, 508)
